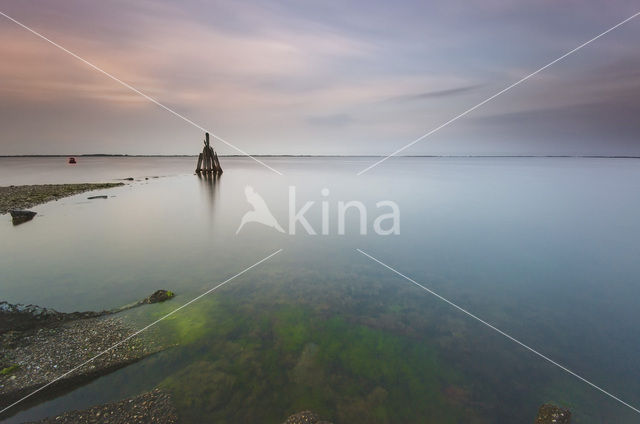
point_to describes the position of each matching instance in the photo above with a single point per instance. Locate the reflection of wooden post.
(208, 159)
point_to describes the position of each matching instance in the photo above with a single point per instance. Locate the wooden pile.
(208, 160)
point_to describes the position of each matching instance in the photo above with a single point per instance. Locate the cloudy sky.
(320, 77)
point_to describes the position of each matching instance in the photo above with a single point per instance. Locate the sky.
(320, 77)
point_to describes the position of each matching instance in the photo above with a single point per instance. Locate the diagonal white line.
(504, 90)
(143, 329)
(546, 358)
(135, 90)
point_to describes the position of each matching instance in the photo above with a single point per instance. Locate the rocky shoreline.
(40, 346)
(47, 354)
(157, 407)
(26, 196)
(152, 407)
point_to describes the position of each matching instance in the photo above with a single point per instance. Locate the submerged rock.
(19, 216)
(551, 414)
(305, 417)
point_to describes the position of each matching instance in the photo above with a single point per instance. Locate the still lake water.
(546, 249)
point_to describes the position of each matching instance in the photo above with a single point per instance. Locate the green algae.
(9, 370)
(268, 362)
(258, 352)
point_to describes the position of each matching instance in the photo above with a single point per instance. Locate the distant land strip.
(328, 156)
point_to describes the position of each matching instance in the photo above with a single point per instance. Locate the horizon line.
(328, 156)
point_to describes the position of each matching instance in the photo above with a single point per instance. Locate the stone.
(551, 414)
(159, 296)
(19, 216)
(305, 417)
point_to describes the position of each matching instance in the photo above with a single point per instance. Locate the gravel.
(152, 407)
(31, 359)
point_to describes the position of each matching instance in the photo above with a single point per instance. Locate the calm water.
(545, 249)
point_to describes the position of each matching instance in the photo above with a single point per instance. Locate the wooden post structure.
(208, 160)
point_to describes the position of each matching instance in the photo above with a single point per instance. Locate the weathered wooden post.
(198, 167)
(208, 160)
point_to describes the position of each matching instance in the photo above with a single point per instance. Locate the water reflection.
(209, 183)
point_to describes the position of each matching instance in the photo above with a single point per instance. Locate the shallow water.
(543, 248)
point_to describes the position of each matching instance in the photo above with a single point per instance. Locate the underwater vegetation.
(351, 352)
(276, 362)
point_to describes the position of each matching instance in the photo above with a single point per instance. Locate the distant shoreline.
(328, 156)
